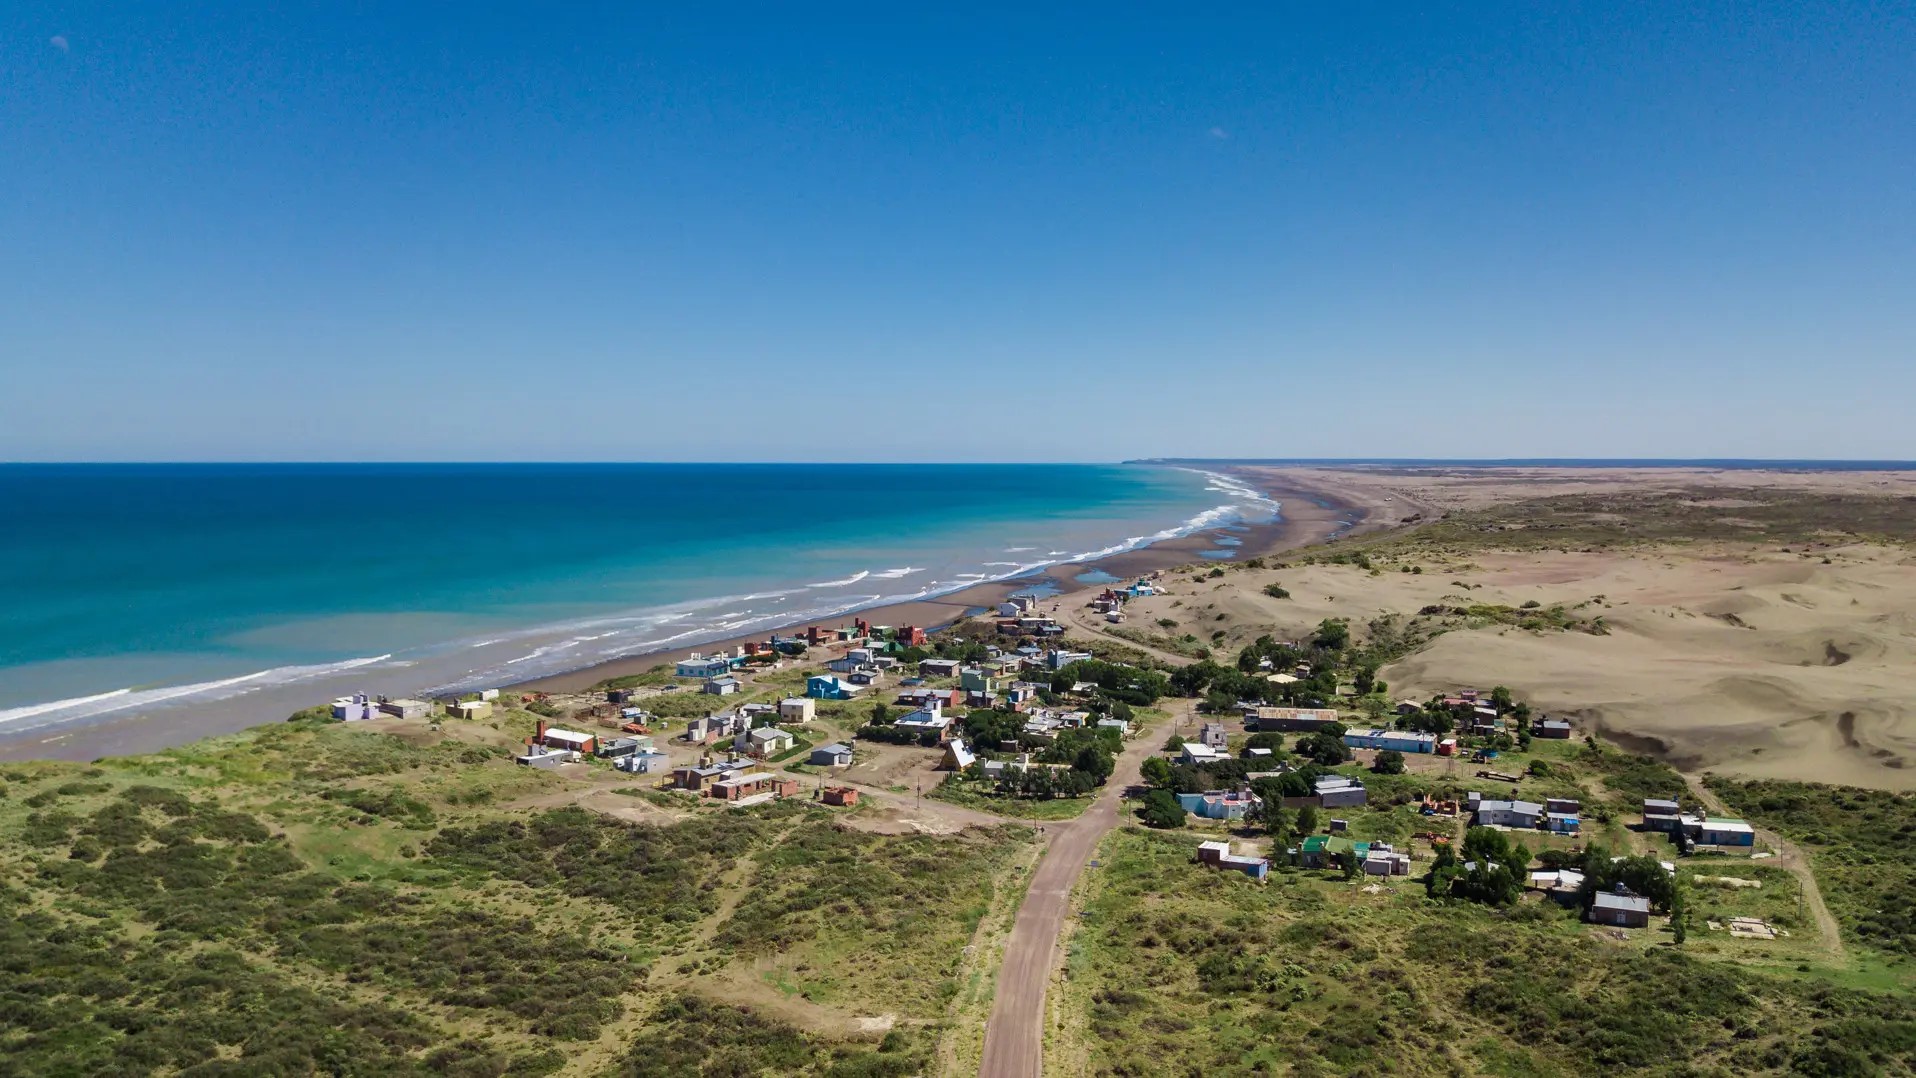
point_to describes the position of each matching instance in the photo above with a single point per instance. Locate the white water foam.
(82, 707)
(845, 583)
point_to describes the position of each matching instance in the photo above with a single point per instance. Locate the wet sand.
(1312, 513)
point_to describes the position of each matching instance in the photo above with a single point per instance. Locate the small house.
(1381, 862)
(767, 741)
(1218, 855)
(1563, 804)
(697, 778)
(939, 667)
(702, 667)
(957, 757)
(1219, 804)
(1338, 791)
(572, 740)
(1213, 735)
(797, 709)
(1623, 911)
(835, 754)
(355, 708)
(927, 720)
(1498, 813)
(1397, 740)
(472, 709)
(406, 709)
(1322, 851)
(976, 679)
(1659, 815)
(1562, 823)
(1291, 719)
(842, 796)
(828, 687)
(1717, 831)
(721, 686)
(1197, 752)
(624, 746)
(1554, 729)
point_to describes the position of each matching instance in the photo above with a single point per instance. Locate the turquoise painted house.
(827, 687)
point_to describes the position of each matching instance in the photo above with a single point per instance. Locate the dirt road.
(1788, 856)
(1093, 622)
(1014, 1036)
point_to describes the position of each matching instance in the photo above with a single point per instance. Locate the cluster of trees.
(1496, 871)
(1117, 682)
(1089, 753)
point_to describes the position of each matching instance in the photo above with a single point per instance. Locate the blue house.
(1400, 740)
(699, 666)
(1717, 831)
(1218, 804)
(827, 687)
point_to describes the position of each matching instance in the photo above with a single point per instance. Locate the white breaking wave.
(895, 574)
(845, 583)
(81, 707)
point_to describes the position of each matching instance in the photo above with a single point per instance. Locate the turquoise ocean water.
(137, 588)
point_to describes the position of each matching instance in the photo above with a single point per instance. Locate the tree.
(1161, 809)
(1347, 860)
(1497, 867)
(1500, 699)
(1192, 680)
(1323, 749)
(1265, 739)
(1094, 762)
(1277, 822)
(1365, 680)
(1679, 918)
(1157, 772)
(1443, 870)
(1333, 634)
(1307, 820)
(1388, 762)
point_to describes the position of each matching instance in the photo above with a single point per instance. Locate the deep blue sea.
(127, 588)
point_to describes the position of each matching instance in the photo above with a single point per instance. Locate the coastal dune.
(1764, 664)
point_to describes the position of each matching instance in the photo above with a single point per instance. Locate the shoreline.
(1313, 510)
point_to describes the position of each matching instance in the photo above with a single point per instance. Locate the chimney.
(539, 734)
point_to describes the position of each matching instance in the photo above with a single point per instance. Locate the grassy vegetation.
(314, 897)
(1649, 517)
(1180, 969)
(978, 795)
(1186, 644)
(1862, 844)
(878, 922)
(688, 1037)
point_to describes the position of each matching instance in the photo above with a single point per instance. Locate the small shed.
(835, 754)
(1623, 911)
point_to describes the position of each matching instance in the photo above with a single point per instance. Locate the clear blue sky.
(1633, 229)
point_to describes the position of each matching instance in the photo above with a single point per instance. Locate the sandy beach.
(1315, 508)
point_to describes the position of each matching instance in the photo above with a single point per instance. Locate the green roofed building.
(1321, 851)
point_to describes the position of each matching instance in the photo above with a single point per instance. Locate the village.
(1001, 715)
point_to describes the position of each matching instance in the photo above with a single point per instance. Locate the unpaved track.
(1788, 856)
(1014, 1035)
(1093, 622)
